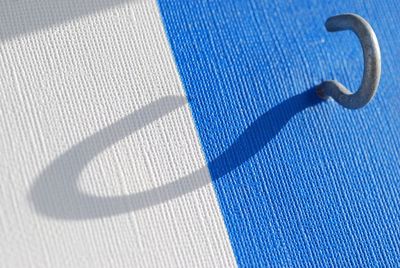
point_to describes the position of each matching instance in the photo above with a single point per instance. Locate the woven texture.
(100, 163)
(299, 182)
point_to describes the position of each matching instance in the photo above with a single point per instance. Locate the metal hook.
(372, 63)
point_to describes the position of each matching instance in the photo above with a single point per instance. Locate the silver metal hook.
(372, 63)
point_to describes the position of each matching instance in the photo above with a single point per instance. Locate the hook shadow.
(55, 192)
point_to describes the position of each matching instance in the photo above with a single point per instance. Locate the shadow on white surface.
(55, 192)
(19, 17)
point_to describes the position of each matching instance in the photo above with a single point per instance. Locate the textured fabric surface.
(100, 163)
(299, 182)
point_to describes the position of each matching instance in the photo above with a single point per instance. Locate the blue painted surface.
(298, 181)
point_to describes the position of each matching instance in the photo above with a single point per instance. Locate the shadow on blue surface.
(261, 132)
(55, 192)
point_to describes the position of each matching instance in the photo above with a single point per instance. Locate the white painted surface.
(98, 99)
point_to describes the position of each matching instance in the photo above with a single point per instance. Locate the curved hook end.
(372, 63)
